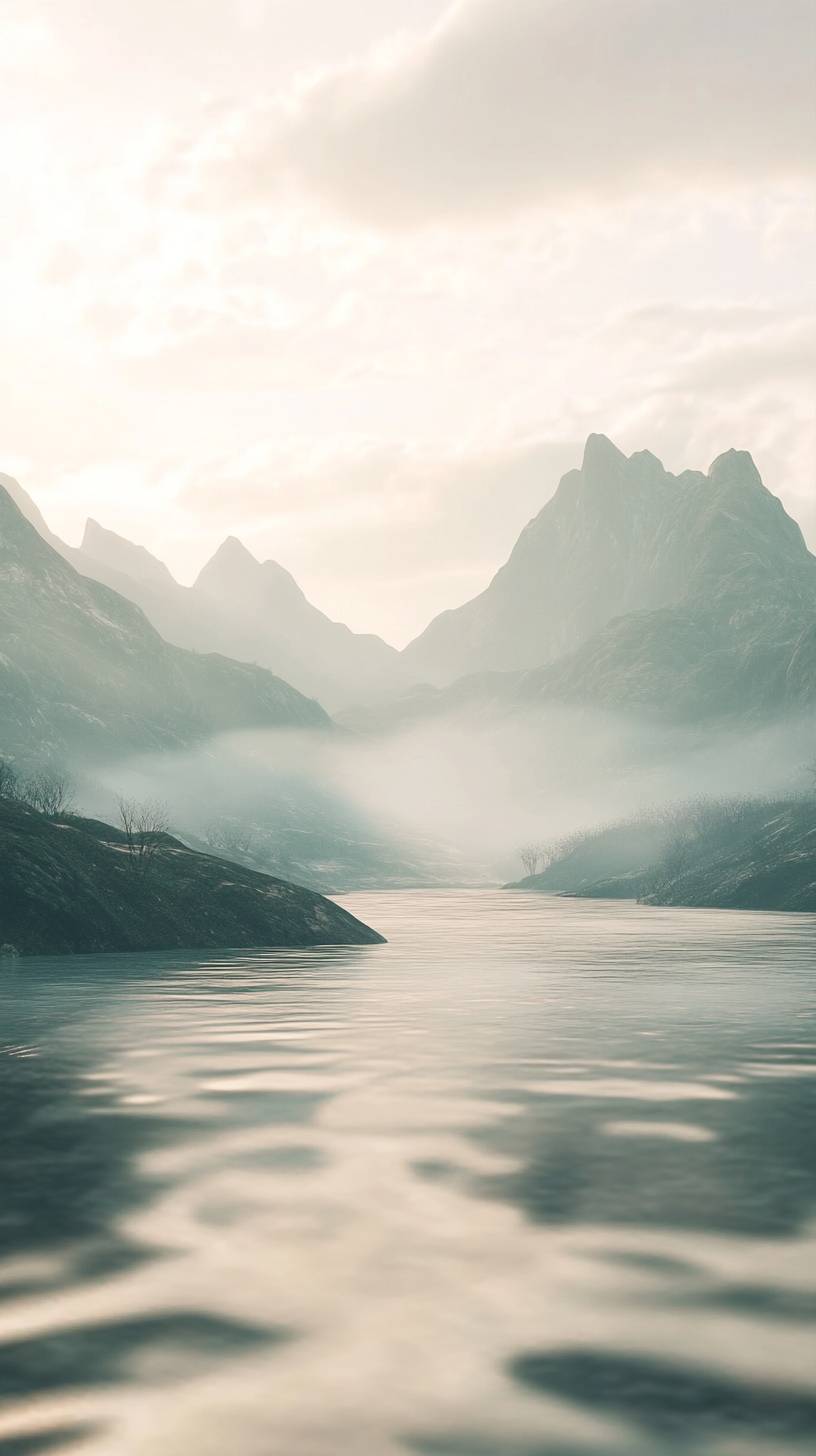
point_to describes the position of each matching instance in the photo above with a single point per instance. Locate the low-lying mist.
(446, 802)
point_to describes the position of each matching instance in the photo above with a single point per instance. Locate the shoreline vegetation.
(74, 885)
(739, 854)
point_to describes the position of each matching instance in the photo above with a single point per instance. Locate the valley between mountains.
(650, 641)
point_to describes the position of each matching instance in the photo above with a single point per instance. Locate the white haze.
(449, 801)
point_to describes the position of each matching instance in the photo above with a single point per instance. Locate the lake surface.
(537, 1178)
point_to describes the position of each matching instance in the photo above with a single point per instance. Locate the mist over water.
(537, 1177)
(449, 800)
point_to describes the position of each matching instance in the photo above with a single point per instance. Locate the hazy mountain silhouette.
(690, 596)
(250, 610)
(738, 635)
(621, 535)
(82, 668)
(258, 610)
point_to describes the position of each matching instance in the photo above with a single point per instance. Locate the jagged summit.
(82, 669)
(234, 572)
(735, 466)
(121, 555)
(14, 493)
(600, 455)
(621, 535)
(255, 609)
(247, 609)
(231, 554)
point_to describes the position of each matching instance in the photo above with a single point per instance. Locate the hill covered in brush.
(78, 885)
(740, 854)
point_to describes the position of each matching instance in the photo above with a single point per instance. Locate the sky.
(353, 279)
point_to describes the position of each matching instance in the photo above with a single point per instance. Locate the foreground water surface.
(537, 1178)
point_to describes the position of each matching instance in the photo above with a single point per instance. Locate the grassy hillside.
(72, 884)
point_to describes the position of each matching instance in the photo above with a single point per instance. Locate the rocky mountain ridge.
(250, 610)
(83, 671)
(621, 535)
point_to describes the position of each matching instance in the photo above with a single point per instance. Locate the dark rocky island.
(76, 885)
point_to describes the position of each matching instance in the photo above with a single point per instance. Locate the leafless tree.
(143, 824)
(9, 783)
(50, 791)
(531, 857)
(230, 837)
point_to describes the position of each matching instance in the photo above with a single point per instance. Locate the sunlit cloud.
(504, 105)
(297, 295)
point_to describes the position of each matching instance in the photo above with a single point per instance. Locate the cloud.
(509, 103)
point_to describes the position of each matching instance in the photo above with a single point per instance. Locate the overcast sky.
(353, 279)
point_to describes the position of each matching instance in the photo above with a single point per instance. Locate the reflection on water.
(536, 1178)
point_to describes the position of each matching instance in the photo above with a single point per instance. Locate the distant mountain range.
(82, 670)
(87, 682)
(622, 535)
(690, 596)
(247, 609)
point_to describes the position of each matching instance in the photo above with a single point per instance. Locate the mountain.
(82, 669)
(739, 637)
(690, 597)
(73, 885)
(109, 552)
(251, 610)
(258, 608)
(621, 536)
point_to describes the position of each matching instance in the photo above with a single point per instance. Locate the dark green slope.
(82, 670)
(752, 854)
(71, 885)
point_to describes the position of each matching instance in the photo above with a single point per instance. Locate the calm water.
(537, 1178)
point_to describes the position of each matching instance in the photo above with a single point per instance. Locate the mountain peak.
(229, 568)
(600, 454)
(93, 532)
(233, 550)
(735, 466)
(14, 492)
(110, 549)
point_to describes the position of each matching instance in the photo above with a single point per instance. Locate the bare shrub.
(530, 856)
(9, 783)
(143, 824)
(50, 791)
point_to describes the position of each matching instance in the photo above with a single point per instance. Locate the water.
(537, 1178)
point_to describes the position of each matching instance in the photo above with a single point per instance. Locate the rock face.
(620, 537)
(71, 885)
(82, 670)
